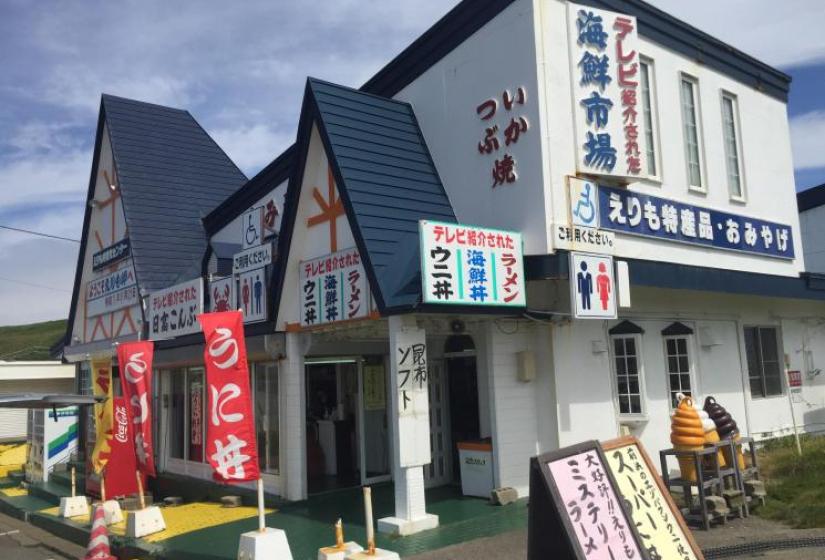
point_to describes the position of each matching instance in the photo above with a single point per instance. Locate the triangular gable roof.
(171, 173)
(386, 179)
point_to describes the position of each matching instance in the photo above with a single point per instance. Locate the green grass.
(795, 485)
(30, 342)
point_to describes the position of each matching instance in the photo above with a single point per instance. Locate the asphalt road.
(21, 541)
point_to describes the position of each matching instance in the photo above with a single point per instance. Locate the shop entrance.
(462, 386)
(347, 428)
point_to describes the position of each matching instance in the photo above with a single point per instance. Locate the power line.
(33, 285)
(41, 234)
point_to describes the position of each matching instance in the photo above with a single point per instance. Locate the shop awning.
(46, 400)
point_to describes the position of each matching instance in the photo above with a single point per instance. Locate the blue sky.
(239, 68)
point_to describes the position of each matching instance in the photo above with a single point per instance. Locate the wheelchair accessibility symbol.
(583, 203)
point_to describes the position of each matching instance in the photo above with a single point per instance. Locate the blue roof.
(171, 174)
(386, 179)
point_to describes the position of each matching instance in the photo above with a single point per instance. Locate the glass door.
(373, 420)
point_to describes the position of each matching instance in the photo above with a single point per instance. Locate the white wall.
(232, 232)
(812, 224)
(765, 144)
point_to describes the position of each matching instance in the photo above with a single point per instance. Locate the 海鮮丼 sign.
(333, 288)
(650, 216)
(471, 265)
(606, 81)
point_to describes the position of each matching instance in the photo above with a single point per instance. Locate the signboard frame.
(546, 505)
(627, 441)
(151, 313)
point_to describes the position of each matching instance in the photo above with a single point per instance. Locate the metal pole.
(790, 404)
(261, 522)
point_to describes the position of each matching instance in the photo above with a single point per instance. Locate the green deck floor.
(308, 524)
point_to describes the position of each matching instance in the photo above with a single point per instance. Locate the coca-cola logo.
(223, 349)
(135, 368)
(122, 433)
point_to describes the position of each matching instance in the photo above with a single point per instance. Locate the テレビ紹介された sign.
(172, 311)
(333, 288)
(471, 265)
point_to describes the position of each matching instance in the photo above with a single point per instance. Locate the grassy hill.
(30, 342)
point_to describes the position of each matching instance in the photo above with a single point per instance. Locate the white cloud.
(806, 131)
(252, 147)
(45, 178)
(783, 34)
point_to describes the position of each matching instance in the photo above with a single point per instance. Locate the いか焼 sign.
(470, 265)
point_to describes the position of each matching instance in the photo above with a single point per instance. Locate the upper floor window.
(730, 130)
(678, 363)
(764, 368)
(691, 131)
(625, 342)
(649, 117)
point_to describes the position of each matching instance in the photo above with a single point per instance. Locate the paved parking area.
(21, 541)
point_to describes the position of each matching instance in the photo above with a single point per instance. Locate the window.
(628, 375)
(691, 132)
(731, 137)
(649, 118)
(265, 391)
(762, 349)
(677, 364)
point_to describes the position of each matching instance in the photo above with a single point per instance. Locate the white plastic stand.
(263, 545)
(146, 521)
(335, 553)
(380, 553)
(74, 506)
(111, 512)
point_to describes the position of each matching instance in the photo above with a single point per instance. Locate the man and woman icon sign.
(584, 285)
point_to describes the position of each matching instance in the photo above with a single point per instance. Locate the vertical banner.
(135, 360)
(102, 387)
(120, 473)
(411, 373)
(231, 446)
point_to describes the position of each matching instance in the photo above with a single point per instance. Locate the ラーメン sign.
(471, 265)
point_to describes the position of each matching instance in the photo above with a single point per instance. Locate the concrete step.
(64, 478)
(50, 491)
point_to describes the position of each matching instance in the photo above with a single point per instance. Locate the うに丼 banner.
(135, 360)
(231, 447)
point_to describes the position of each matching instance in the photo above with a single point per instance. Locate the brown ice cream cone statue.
(726, 428)
(687, 434)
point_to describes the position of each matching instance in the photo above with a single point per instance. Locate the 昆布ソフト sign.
(173, 311)
(333, 288)
(606, 81)
(471, 265)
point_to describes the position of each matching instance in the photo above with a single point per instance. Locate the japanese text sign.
(503, 124)
(111, 254)
(592, 286)
(650, 216)
(606, 77)
(471, 265)
(333, 288)
(658, 520)
(581, 231)
(135, 361)
(252, 258)
(111, 292)
(231, 446)
(173, 311)
(411, 372)
(595, 522)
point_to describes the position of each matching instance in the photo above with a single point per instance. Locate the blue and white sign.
(584, 203)
(592, 286)
(650, 216)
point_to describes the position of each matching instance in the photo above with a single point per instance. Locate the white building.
(43, 376)
(496, 117)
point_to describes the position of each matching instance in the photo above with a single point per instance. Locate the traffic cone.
(98, 548)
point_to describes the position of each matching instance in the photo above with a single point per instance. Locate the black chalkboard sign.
(576, 511)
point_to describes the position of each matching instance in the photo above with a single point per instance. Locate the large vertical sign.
(604, 60)
(135, 360)
(592, 286)
(231, 446)
(103, 412)
(333, 288)
(470, 265)
(120, 473)
(411, 371)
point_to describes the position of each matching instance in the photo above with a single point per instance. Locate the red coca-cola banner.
(231, 446)
(120, 470)
(135, 360)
